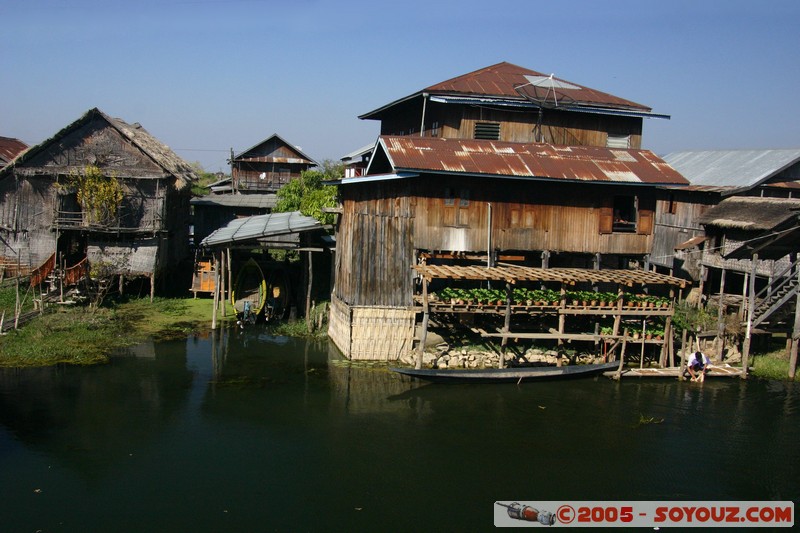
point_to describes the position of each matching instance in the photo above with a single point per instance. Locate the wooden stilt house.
(472, 174)
(100, 191)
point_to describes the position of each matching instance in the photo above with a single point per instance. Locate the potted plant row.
(544, 297)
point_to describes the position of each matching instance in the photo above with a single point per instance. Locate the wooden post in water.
(423, 337)
(683, 355)
(309, 324)
(622, 354)
(751, 307)
(720, 340)
(223, 293)
(216, 295)
(795, 331)
(506, 322)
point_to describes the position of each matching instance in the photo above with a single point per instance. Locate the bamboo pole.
(720, 340)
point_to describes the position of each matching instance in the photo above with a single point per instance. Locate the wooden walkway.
(715, 371)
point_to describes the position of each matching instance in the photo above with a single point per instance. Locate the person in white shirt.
(698, 366)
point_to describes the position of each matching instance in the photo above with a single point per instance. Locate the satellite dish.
(546, 92)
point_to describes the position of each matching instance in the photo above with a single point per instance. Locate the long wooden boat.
(501, 375)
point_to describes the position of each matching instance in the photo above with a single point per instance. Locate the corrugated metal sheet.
(261, 226)
(526, 160)
(10, 148)
(732, 168)
(259, 201)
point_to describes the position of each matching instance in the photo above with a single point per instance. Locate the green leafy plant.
(98, 195)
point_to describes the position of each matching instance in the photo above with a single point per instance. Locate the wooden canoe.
(503, 375)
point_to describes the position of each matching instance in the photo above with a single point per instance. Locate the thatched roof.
(751, 213)
(158, 152)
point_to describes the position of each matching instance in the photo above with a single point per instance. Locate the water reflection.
(243, 430)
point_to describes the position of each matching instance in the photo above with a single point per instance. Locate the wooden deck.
(715, 371)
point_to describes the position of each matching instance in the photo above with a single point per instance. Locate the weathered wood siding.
(558, 127)
(676, 215)
(375, 251)
(32, 205)
(384, 224)
(527, 216)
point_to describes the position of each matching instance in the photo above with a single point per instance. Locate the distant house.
(500, 165)
(214, 211)
(9, 149)
(44, 223)
(268, 166)
(355, 163)
(714, 176)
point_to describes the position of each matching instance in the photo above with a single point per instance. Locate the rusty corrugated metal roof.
(10, 148)
(525, 160)
(511, 85)
(502, 78)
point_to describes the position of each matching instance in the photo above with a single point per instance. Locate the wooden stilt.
(683, 355)
(506, 322)
(622, 354)
(309, 324)
(751, 306)
(216, 297)
(223, 293)
(719, 342)
(425, 316)
(795, 332)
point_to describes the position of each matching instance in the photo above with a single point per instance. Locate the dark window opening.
(624, 214)
(673, 205)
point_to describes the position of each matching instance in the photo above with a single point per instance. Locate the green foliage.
(693, 319)
(201, 187)
(309, 195)
(99, 196)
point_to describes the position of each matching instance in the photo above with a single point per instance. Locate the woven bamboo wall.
(371, 333)
(339, 325)
(381, 333)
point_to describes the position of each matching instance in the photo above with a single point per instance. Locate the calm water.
(247, 432)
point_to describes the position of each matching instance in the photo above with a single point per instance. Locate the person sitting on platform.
(698, 366)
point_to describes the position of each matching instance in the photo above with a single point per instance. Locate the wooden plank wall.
(559, 127)
(532, 217)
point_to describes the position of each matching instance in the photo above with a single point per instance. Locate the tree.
(308, 193)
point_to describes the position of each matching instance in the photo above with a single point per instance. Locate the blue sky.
(205, 76)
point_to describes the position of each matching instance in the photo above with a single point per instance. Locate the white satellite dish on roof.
(546, 92)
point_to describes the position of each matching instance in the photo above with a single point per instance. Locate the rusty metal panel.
(533, 160)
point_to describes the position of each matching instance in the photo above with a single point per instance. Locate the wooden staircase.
(772, 301)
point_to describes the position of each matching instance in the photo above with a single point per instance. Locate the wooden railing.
(40, 273)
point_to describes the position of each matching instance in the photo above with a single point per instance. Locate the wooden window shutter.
(606, 218)
(645, 225)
